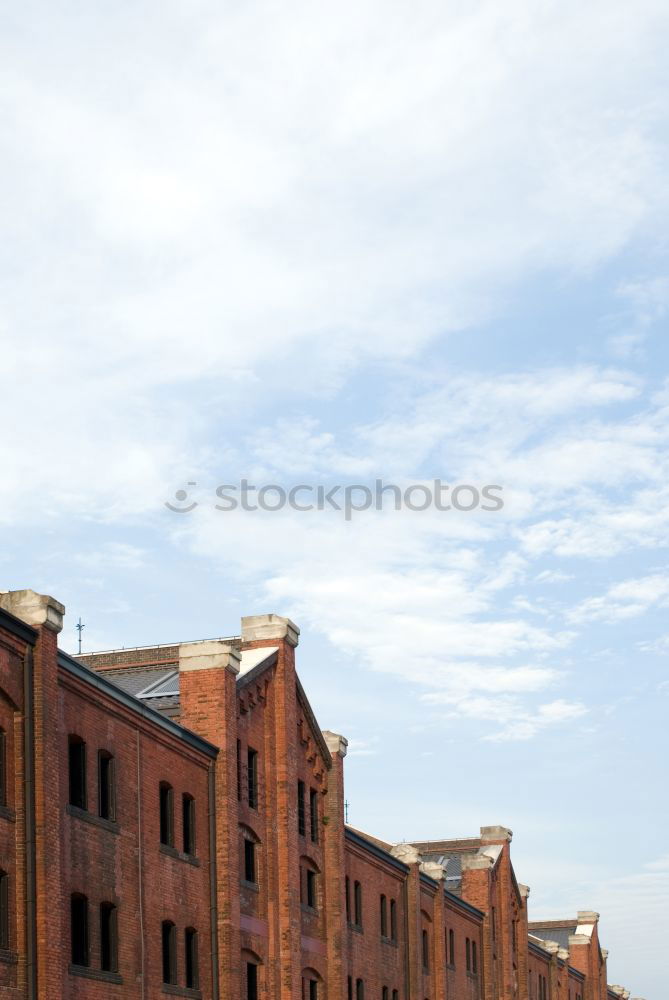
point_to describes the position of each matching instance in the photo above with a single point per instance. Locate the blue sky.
(330, 245)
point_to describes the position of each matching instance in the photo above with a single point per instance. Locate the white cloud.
(627, 599)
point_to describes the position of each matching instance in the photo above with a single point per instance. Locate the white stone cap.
(476, 862)
(563, 953)
(524, 890)
(336, 744)
(406, 853)
(496, 833)
(33, 608)
(552, 947)
(605, 953)
(587, 917)
(433, 869)
(577, 939)
(620, 990)
(210, 654)
(258, 627)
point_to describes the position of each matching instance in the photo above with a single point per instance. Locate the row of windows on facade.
(78, 795)
(359, 992)
(308, 874)
(252, 793)
(387, 911)
(109, 943)
(541, 992)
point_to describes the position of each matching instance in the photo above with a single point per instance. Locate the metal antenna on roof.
(79, 627)
(346, 811)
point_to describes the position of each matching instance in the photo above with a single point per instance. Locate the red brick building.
(172, 823)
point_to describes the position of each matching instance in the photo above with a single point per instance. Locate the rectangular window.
(301, 824)
(166, 814)
(3, 768)
(383, 917)
(77, 771)
(252, 777)
(251, 981)
(396, 995)
(313, 814)
(313, 989)
(192, 969)
(79, 929)
(359, 990)
(451, 946)
(106, 786)
(426, 951)
(312, 898)
(468, 955)
(347, 890)
(384, 993)
(4, 910)
(188, 810)
(357, 904)
(350, 989)
(494, 924)
(169, 933)
(475, 963)
(239, 771)
(393, 920)
(108, 938)
(249, 860)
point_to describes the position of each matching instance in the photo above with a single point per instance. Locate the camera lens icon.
(181, 496)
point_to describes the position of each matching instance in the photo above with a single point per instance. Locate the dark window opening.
(357, 904)
(3, 768)
(359, 990)
(313, 814)
(312, 898)
(79, 929)
(426, 951)
(252, 777)
(106, 786)
(475, 965)
(4, 910)
(350, 989)
(192, 969)
(383, 917)
(451, 946)
(77, 771)
(169, 953)
(384, 993)
(468, 956)
(396, 995)
(251, 981)
(393, 920)
(239, 771)
(188, 809)
(347, 888)
(108, 938)
(301, 823)
(249, 860)
(166, 816)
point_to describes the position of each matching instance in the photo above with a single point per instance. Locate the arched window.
(188, 814)
(426, 951)
(192, 968)
(79, 929)
(166, 815)
(4, 910)
(169, 936)
(393, 920)
(106, 786)
(77, 771)
(250, 850)
(383, 915)
(311, 985)
(108, 938)
(384, 993)
(451, 946)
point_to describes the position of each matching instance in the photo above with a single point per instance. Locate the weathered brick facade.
(184, 799)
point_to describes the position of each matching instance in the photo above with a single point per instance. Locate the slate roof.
(559, 934)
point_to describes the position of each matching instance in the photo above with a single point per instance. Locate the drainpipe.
(29, 808)
(213, 883)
